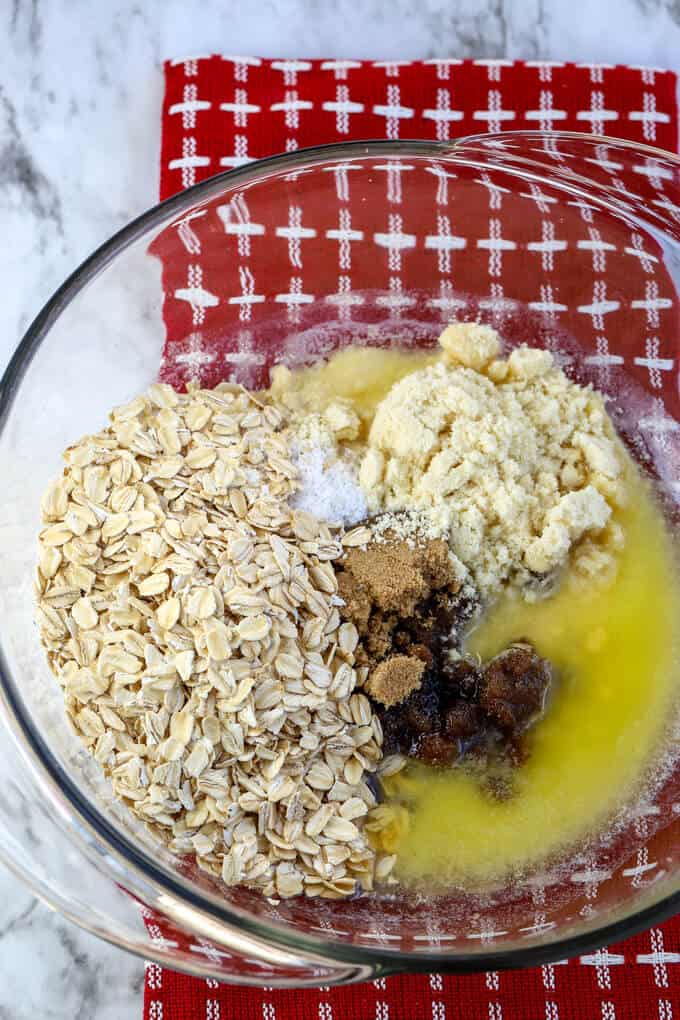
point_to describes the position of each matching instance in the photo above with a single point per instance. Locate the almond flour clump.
(512, 460)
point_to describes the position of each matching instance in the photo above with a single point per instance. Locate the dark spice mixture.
(406, 603)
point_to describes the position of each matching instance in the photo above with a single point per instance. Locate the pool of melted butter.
(362, 376)
(614, 647)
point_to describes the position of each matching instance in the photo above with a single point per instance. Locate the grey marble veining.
(52, 970)
(80, 92)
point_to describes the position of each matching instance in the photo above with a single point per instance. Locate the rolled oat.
(191, 618)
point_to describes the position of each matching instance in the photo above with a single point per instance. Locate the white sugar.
(329, 487)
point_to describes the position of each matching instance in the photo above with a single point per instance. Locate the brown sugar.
(404, 598)
(401, 596)
(463, 708)
(394, 577)
(395, 678)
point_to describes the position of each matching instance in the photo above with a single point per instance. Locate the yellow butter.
(615, 647)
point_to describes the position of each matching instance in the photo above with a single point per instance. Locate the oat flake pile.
(191, 619)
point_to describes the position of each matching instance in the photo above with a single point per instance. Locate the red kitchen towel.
(220, 112)
(638, 979)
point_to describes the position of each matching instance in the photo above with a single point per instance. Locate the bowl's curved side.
(501, 179)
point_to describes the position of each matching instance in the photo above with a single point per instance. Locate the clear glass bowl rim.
(47, 769)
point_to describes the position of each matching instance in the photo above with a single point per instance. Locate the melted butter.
(360, 375)
(614, 646)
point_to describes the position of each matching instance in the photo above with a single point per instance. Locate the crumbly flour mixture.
(189, 598)
(510, 458)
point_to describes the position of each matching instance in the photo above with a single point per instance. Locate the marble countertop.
(80, 94)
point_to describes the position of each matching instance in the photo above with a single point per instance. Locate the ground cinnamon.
(393, 680)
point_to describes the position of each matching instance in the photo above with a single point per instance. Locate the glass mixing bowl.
(568, 241)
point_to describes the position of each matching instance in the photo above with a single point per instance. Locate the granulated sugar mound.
(328, 485)
(509, 457)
